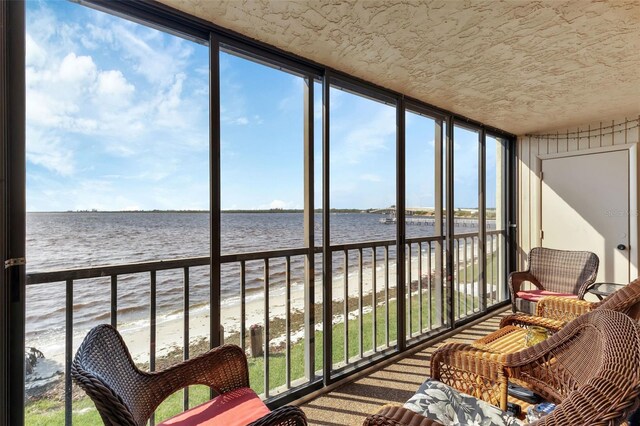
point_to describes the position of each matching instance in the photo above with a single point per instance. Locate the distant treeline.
(296, 211)
(207, 211)
(466, 213)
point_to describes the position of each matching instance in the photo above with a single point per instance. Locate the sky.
(118, 119)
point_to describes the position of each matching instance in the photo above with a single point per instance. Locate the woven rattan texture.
(392, 415)
(559, 271)
(125, 395)
(508, 339)
(554, 312)
(589, 367)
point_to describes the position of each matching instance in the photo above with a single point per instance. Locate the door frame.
(632, 212)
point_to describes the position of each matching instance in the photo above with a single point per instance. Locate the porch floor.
(396, 382)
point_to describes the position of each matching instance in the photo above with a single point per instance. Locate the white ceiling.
(522, 66)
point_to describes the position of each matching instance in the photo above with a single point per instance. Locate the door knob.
(621, 247)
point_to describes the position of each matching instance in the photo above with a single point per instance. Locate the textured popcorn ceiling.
(520, 65)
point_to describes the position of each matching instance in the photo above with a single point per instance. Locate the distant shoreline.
(207, 211)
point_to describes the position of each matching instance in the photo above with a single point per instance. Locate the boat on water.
(389, 218)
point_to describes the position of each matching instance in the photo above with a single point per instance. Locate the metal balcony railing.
(363, 310)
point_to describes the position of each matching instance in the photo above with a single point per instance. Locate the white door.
(585, 206)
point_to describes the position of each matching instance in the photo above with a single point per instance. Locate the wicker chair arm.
(517, 278)
(589, 282)
(562, 308)
(288, 415)
(526, 321)
(223, 369)
(515, 283)
(473, 371)
(396, 415)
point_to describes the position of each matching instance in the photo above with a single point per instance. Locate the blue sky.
(117, 119)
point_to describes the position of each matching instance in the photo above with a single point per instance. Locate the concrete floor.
(351, 403)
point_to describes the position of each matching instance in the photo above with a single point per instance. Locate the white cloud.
(113, 84)
(156, 61)
(49, 152)
(368, 136)
(95, 36)
(35, 55)
(79, 70)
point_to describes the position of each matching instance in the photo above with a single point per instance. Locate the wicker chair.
(589, 368)
(554, 273)
(124, 395)
(553, 313)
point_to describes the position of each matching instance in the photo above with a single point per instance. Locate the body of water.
(57, 241)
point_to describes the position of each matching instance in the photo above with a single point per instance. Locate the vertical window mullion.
(309, 237)
(215, 191)
(450, 220)
(401, 225)
(482, 226)
(327, 258)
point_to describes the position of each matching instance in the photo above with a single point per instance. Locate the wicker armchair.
(553, 272)
(589, 368)
(553, 313)
(124, 395)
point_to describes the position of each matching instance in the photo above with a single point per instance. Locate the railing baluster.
(266, 328)
(497, 269)
(410, 279)
(346, 306)
(360, 291)
(68, 352)
(420, 326)
(473, 274)
(457, 274)
(152, 332)
(185, 337)
(488, 272)
(374, 280)
(386, 291)
(429, 283)
(243, 314)
(287, 273)
(493, 276)
(114, 301)
(466, 278)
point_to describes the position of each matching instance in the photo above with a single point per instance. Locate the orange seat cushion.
(236, 408)
(535, 295)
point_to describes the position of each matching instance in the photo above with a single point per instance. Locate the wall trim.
(589, 151)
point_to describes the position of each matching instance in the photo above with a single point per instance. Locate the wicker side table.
(506, 340)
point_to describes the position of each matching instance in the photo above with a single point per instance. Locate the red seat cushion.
(236, 408)
(535, 295)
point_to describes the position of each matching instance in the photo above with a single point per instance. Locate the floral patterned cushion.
(442, 403)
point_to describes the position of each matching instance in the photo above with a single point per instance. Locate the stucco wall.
(620, 131)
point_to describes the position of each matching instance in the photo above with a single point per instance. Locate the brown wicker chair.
(589, 368)
(552, 271)
(124, 395)
(554, 312)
